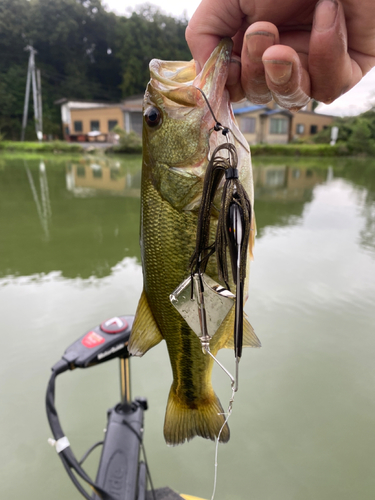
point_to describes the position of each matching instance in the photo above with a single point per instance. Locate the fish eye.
(152, 116)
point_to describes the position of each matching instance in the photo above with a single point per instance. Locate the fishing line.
(218, 126)
(228, 414)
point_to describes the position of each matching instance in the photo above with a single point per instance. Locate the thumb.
(212, 21)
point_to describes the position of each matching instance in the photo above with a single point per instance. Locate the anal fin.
(145, 332)
(249, 337)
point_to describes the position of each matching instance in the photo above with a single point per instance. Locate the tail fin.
(182, 423)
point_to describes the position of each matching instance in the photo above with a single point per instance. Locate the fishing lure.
(209, 301)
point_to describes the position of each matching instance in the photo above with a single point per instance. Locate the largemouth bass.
(178, 137)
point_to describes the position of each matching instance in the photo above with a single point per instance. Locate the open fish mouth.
(176, 84)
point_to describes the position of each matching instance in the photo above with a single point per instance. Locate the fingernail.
(235, 60)
(257, 42)
(325, 14)
(234, 73)
(279, 72)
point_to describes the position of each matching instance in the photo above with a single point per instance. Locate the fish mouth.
(177, 82)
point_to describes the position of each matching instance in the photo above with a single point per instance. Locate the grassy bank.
(284, 150)
(41, 147)
(298, 150)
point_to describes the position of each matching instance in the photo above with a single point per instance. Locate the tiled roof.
(275, 111)
(248, 109)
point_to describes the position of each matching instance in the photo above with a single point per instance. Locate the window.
(78, 126)
(81, 171)
(248, 125)
(97, 173)
(278, 126)
(114, 174)
(300, 128)
(275, 177)
(112, 124)
(296, 173)
(95, 126)
(313, 129)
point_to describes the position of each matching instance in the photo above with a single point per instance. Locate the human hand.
(290, 51)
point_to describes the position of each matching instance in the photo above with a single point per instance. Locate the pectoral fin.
(145, 332)
(249, 337)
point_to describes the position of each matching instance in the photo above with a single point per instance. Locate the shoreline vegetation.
(286, 150)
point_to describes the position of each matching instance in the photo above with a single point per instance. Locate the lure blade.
(218, 301)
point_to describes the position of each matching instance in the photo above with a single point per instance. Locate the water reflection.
(95, 206)
(367, 234)
(281, 192)
(89, 179)
(281, 182)
(43, 206)
(92, 228)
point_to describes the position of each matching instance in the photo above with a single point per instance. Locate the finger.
(233, 85)
(211, 22)
(287, 76)
(331, 69)
(258, 38)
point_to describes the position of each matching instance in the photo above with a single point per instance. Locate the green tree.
(361, 140)
(83, 52)
(146, 35)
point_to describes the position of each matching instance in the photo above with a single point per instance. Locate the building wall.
(262, 129)
(305, 117)
(256, 136)
(103, 115)
(277, 139)
(308, 119)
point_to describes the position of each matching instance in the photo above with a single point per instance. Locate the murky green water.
(303, 421)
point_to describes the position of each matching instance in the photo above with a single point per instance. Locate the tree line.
(84, 52)
(356, 133)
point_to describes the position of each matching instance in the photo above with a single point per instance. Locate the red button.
(92, 339)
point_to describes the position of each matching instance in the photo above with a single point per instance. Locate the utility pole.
(33, 76)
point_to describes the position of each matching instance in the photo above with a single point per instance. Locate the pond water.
(303, 420)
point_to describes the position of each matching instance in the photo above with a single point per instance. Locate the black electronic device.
(121, 475)
(104, 342)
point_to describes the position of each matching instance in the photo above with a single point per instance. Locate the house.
(259, 123)
(271, 124)
(94, 120)
(307, 122)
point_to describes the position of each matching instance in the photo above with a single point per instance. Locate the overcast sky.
(353, 102)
